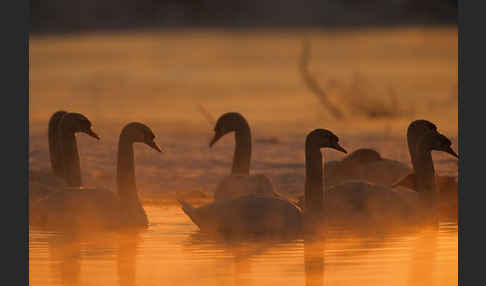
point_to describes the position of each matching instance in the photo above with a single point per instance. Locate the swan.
(369, 200)
(69, 124)
(54, 177)
(367, 164)
(42, 182)
(446, 183)
(240, 182)
(99, 206)
(364, 164)
(259, 214)
(446, 186)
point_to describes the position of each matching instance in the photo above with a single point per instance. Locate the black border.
(472, 62)
(15, 145)
(460, 199)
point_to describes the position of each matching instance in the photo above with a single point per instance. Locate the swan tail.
(190, 211)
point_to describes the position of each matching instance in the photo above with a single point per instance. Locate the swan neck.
(313, 181)
(242, 154)
(54, 151)
(424, 169)
(125, 175)
(69, 154)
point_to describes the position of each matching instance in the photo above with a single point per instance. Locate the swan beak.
(340, 148)
(92, 134)
(449, 150)
(154, 145)
(215, 139)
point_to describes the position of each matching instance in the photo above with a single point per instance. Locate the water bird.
(63, 155)
(383, 203)
(239, 182)
(79, 206)
(260, 214)
(364, 164)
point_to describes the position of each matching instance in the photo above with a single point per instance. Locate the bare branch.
(312, 84)
(206, 114)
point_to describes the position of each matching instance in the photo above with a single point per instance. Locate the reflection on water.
(172, 251)
(314, 261)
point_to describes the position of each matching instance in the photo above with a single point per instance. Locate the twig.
(206, 114)
(312, 84)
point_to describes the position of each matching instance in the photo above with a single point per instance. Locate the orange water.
(173, 252)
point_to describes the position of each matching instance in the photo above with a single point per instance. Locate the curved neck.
(242, 154)
(54, 150)
(314, 195)
(125, 173)
(69, 156)
(424, 168)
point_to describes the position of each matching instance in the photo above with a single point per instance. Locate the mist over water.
(159, 78)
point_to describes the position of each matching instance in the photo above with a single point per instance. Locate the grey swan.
(60, 133)
(239, 182)
(259, 214)
(99, 207)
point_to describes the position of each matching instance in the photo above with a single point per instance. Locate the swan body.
(364, 165)
(239, 182)
(260, 214)
(250, 214)
(446, 188)
(235, 186)
(93, 207)
(388, 201)
(357, 202)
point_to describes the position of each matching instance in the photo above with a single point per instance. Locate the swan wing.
(245, 215)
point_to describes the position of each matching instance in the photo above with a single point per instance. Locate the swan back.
(247, 215)
(235, 186)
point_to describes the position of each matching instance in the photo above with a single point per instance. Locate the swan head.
(321, 138)
(76, 122)
(439, 142)
(433, 139)
(418, 127)
(57, 116)
(227, 123)
(140, 133)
